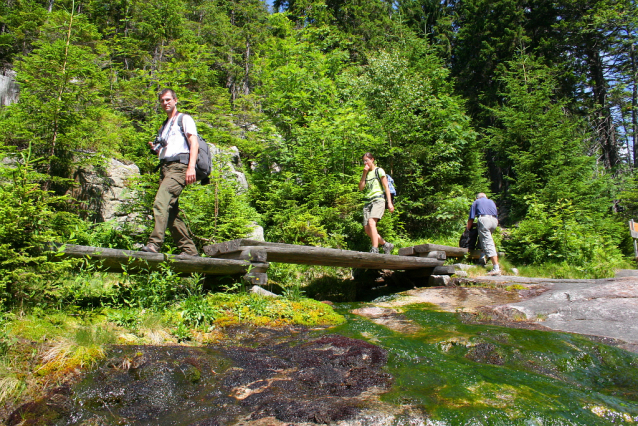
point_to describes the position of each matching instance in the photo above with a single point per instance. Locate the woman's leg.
(371, 230)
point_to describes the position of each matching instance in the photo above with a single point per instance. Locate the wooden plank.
(307, 255)
(437, 254)
(232, 246)
(114, 259)
(407, 251)
(426, 248)
(251, 254)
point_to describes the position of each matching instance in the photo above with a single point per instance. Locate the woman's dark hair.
(368, 155)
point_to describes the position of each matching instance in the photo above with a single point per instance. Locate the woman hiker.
(375, 183)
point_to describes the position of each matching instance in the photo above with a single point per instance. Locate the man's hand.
(190, 175)
(390, 206)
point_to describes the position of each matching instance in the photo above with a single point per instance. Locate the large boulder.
(9, 89)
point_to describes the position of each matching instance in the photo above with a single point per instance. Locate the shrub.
(562, 233)
(29, 222)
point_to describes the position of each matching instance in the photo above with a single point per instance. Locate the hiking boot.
(149, 248)
(374, 250)
(494, 272)
(388, 247)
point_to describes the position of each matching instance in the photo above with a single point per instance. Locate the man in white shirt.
(177, 151)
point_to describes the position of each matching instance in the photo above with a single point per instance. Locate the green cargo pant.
(166, 209)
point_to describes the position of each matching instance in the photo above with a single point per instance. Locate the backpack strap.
(161, 129)
(376, 172)
(180, 123)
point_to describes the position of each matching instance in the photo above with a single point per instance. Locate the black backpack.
(204, 159)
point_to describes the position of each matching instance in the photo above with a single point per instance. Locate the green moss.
(259, 310)
(487, 375)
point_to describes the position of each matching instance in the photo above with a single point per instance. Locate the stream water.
(440, 369)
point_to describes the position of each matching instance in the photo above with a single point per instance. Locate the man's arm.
(470, 222)
(193, 143)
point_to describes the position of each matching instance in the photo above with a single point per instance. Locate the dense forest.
(531, 101)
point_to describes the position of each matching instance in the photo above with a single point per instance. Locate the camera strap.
(161, 130)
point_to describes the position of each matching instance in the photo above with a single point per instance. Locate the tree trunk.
(603, 120)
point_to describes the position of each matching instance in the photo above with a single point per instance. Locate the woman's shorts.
(374, 210)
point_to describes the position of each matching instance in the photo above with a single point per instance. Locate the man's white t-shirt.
(177, 144)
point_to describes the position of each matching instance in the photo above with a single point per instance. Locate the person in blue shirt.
(484, 211)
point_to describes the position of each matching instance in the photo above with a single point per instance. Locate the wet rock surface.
(605, 308)
(292, 379)
(602, 308)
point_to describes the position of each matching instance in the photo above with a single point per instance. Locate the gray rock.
(514, 271)
(621, 273)
(119, 175)
(9, 89)
(439, 280)
(461, 274)
(607, 308)
(257, 233)
(258, 290)
(231, 164)
(462, 266)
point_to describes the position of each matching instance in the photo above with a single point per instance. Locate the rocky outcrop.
(9, 89)
(103, 190)
(229, 161)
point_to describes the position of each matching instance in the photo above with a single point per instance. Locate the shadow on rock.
(293, 379)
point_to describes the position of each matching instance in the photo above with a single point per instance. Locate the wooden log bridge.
(251, 258)
(308, 255)
(425, 250)
(116, 260)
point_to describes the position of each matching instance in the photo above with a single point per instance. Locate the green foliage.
(219, 211)
(29, 221)
(562, 234)
(304, 181)
(61, 108)
(539, 145)
(196, 312)
(429, 147)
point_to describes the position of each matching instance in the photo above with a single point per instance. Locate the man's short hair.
(165, 91)
(481, 195)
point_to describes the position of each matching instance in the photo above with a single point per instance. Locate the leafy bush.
(219, 211)
(562, 233)
(29, 221)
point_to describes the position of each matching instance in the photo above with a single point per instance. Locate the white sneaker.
(494, 272)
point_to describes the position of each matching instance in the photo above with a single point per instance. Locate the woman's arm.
(388, 196)
(362, 182)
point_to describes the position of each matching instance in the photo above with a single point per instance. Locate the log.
(214, 250)
(437, 254)
(117, 260)
(306, 255)
(427, 248)
(251, 254)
